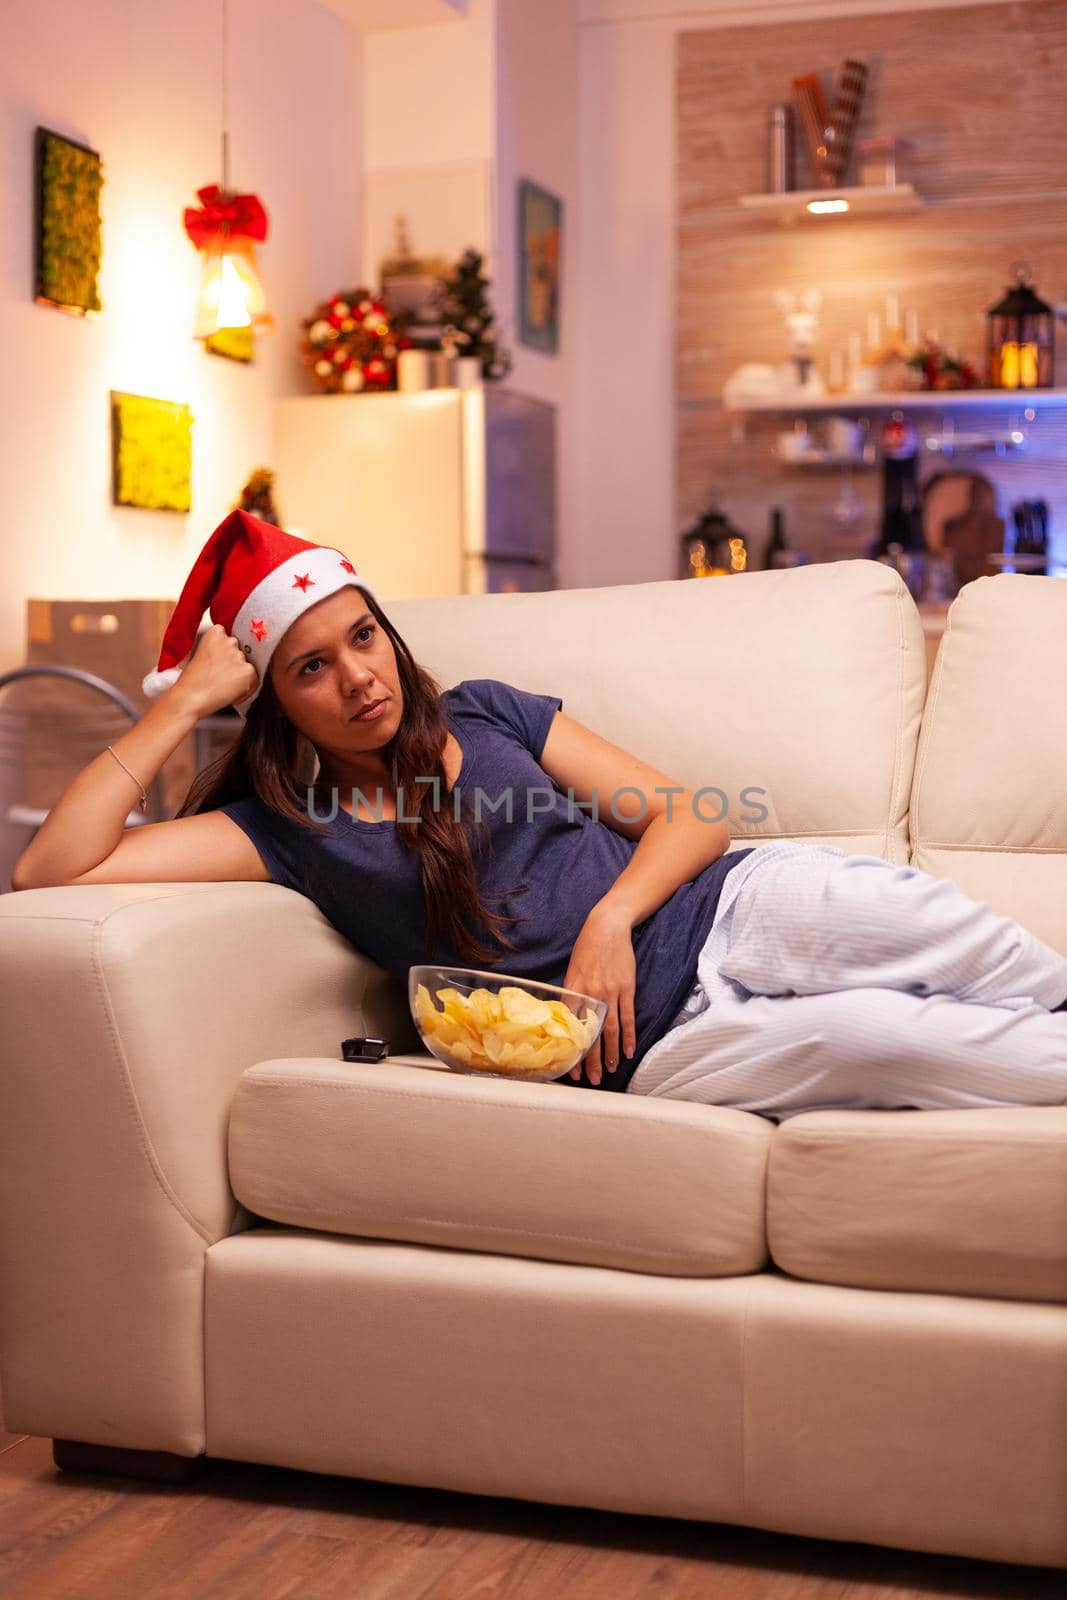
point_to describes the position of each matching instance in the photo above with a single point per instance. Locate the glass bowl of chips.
(499, 1026)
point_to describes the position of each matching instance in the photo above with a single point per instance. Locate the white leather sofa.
(216, 1237)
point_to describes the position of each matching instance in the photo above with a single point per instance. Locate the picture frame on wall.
(540, 225)
(67, 180)
(151, 452)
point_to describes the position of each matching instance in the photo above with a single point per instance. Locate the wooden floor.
(260, 1533)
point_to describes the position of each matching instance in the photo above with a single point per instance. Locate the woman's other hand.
(603, 965)
(214, 674)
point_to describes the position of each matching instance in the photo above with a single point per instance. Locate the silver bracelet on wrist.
(143, 801)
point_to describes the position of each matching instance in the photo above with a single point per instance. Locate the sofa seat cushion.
(961, 1202)
(396, 1151)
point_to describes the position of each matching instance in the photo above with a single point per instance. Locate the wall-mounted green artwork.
(152, 452)
(68, 178)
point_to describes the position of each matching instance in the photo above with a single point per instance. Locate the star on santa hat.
(306, 582)
(348, 567)
(259, 628)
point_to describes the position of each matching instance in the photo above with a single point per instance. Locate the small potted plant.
(468, 334)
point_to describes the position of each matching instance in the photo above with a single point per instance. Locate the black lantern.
(1020, 337)
(713, 548)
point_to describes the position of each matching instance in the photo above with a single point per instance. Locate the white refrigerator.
(451, 491)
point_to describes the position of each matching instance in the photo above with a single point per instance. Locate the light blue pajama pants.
(831, 980)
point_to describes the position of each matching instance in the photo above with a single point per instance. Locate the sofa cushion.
(986, 804)
(790, 629)
(395, 1151)
(964, 1202)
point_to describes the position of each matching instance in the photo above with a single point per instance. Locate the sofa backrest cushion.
(798, 694)
(988, 807)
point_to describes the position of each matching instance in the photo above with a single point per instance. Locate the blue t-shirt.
(549, 864)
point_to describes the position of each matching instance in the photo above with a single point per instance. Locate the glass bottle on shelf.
(1030, 544)
(901, 542)
(776, 545)
(778, 552)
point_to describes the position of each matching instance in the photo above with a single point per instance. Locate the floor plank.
(305, 1564)
(41, 1523)
(248, 1532)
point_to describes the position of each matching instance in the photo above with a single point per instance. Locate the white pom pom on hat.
(254, 579)
(157, 683)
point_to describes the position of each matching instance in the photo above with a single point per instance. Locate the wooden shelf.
(863, 200)
(823, 461)
(909, 400)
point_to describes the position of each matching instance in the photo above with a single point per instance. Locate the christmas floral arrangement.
(350, 344)
(468, 317)
(939, 370)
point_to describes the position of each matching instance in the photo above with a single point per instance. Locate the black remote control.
(364, 1049)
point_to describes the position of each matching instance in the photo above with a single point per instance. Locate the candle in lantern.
(1018, 365)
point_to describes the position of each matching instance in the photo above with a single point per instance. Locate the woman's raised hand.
(603, 965)
(214, 674)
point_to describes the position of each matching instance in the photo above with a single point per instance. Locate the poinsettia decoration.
(939, 370)
(351, 345)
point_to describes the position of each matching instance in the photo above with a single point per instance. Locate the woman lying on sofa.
(484, 827)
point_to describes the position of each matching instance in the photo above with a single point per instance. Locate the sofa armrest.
(128, 1013)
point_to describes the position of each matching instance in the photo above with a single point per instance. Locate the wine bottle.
(776, 545)
(902, 521)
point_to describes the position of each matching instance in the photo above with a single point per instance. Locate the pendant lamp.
(225, 228)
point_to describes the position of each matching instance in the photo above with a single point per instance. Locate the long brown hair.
(274, 762)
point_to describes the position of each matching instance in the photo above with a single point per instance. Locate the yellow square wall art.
(152, 452)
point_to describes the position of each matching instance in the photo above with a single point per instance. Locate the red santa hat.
(256, 580)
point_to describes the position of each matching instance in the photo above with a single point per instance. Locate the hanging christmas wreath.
(350, 344)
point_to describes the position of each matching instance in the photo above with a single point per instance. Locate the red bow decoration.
(234, 216)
